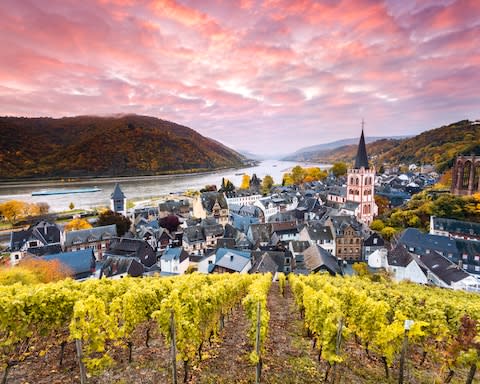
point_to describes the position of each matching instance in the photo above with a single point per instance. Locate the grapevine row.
(374, 314)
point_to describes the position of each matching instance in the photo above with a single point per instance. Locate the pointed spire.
(362, 159)
(117, 193)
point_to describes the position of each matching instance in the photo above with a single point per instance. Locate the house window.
(464, 256)
(375, 241)
(465, 266)
(210, 262)
(477, 258)
(32, 244)
(287, 260)
(477, 268)
(411, 249)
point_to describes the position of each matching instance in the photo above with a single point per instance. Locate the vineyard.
(237, 329)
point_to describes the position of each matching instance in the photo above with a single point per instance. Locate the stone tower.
(466, 175)
(118, 201)
(360, 185)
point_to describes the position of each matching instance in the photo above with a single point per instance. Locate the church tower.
(118, 201)
(360, 185)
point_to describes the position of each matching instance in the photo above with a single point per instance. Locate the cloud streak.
(270, 76)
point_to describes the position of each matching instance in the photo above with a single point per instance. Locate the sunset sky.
(266, 76)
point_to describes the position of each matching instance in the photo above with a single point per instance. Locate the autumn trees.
(15, 210)
(77, 224)
(109, 217)
(299, 175)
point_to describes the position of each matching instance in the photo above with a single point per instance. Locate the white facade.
(205, 263)
(412, 272)
(174, 265)
(243, 200)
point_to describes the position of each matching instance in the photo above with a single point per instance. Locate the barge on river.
(64, 191)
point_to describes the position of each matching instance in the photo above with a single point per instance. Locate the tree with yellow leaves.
(245, 182)
(77, 224)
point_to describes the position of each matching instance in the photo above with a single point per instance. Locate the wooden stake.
(258, 370)
(174, 348)
(83, 372)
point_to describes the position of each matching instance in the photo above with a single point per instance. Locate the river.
(137, 188)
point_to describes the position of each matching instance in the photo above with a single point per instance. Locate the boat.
(64, 191)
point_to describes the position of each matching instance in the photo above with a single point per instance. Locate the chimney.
(460, 264)
(231, 258)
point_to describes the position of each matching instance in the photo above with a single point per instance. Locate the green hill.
(438, 146)
(105, 146)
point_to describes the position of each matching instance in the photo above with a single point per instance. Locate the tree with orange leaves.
(77, 224)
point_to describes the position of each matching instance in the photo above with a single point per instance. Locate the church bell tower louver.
(361, 183)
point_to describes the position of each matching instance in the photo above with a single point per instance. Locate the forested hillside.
(438, 146)
(105, 146)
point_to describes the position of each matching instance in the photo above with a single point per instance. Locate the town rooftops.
(456, 226)
(175, 254)
(443, 268)
(422, 243)
(81, 263)
(399, 256)
(316, 258)
(90, 235)
(231, 259)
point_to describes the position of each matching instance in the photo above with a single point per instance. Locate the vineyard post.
(174, 348)
(258, 370)
(83, 373)
(337, 347)
(408, 324)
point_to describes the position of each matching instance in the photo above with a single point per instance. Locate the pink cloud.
(273, 70)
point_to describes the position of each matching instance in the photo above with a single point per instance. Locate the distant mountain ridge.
(439, 146)
(338, 144)
(122, 145)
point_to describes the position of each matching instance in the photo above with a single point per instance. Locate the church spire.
(361, 160)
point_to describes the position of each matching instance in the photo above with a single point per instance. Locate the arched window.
(466, 174)
(351, 180)
(356, 181)
(476, 177)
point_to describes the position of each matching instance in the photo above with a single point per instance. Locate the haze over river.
(138, 188)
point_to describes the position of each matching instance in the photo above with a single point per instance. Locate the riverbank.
(38, 182)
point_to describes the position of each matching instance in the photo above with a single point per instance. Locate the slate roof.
(44, 232)
(316, 258)
(83, 236)
(320, 233)
(49, 249)
(117, 265)
(226, 242)
(208, 200)
(213, 230)
(231, 259)
(443, 268)
(264, 264)
(81, 263)
(278, 257)
(261, 232)
(299, 246)
(423, 242)
(137, 248)
(456, 226)
(175, 207)
(117, 193)
(175, 254)
(370, 241)
(193, 234)
(361, 160)
(399, 256)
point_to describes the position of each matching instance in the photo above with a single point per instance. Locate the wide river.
(138, 188)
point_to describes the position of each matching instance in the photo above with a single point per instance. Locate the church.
(359, 196)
